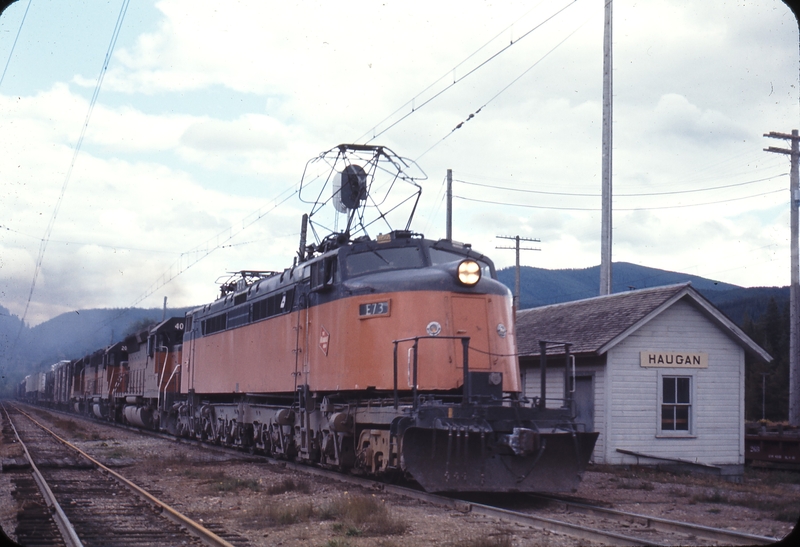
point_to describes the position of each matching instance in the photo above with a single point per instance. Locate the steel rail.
(533, 521)
(729, 537)
(464, 506)
(195, 528)
(63, 523)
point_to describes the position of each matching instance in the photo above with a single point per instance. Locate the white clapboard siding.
(531, 385)
(633, 418)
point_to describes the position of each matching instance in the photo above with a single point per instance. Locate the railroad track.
(697, 533)
(608, 526)
(561, 515)
(71, 499)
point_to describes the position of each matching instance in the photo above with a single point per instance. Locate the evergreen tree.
(771, 332)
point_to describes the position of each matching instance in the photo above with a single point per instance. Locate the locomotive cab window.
(392, 258)
(323, 273)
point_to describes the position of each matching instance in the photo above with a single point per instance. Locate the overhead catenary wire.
(503, 90)
(91, 243)
(529, 206)
(14, 45)
(618, 194)
(455, 81)
(67, 177)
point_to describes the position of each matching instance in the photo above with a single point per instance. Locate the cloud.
(209, 113)
(676, 118)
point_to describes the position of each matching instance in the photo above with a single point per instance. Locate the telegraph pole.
(517, 248)
(449, 230)
(794, 289)
(605, 223)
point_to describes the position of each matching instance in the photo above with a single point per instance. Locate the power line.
(51, 223)
(471, 116)
(169, 275)
(616, 209)
(90, 243)
(415, 108)
(619, 195)
(14, 45)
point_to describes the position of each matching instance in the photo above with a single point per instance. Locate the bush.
(363, 515)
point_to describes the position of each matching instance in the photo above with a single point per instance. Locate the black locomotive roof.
(397, 251)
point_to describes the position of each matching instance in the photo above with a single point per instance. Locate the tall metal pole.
(794, 289)
(605, 229)
(516, 277)
(449, 233)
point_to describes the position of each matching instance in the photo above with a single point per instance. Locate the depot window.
(676, 403)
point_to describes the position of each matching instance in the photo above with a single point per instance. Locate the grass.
(782, 509)
(278, 514)
(233, 484)
(362, 515)
(778, 478)
(288, 485)
(502, 539)
(763, 490)
(119, 453)
(71, 427)
(626, 484)
(290, 514)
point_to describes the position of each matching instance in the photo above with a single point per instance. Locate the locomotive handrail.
(467, 388)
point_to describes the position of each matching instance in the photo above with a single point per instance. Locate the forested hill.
(540, 287)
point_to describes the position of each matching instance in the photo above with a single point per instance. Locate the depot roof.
(595, 325)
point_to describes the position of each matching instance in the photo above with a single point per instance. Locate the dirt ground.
(263, 504)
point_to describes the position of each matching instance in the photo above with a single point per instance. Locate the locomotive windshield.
(392, 258)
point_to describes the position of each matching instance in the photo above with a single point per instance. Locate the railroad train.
(387, 357)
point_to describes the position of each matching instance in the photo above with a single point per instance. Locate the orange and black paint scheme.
(355, 359)
(392, 356)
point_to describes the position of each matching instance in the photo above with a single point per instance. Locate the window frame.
(691, 405)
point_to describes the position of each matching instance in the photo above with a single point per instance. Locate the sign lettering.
(673, 359)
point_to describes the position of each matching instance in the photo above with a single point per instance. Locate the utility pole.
(794, 289)
(517, 248)
(605, 223)
(449, 231)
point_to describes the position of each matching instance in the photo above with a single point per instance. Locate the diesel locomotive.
(392, 355)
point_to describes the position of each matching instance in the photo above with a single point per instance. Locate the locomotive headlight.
(469, 272)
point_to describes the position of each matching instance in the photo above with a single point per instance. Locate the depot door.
(583, 396)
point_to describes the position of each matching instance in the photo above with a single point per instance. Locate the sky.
(208, 112)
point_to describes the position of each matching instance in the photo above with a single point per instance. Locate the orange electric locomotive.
(393, 354)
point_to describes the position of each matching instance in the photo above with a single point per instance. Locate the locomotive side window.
(215, 324)
(398, 258)
(273, 305)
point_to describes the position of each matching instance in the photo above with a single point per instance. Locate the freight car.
(392, 355)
